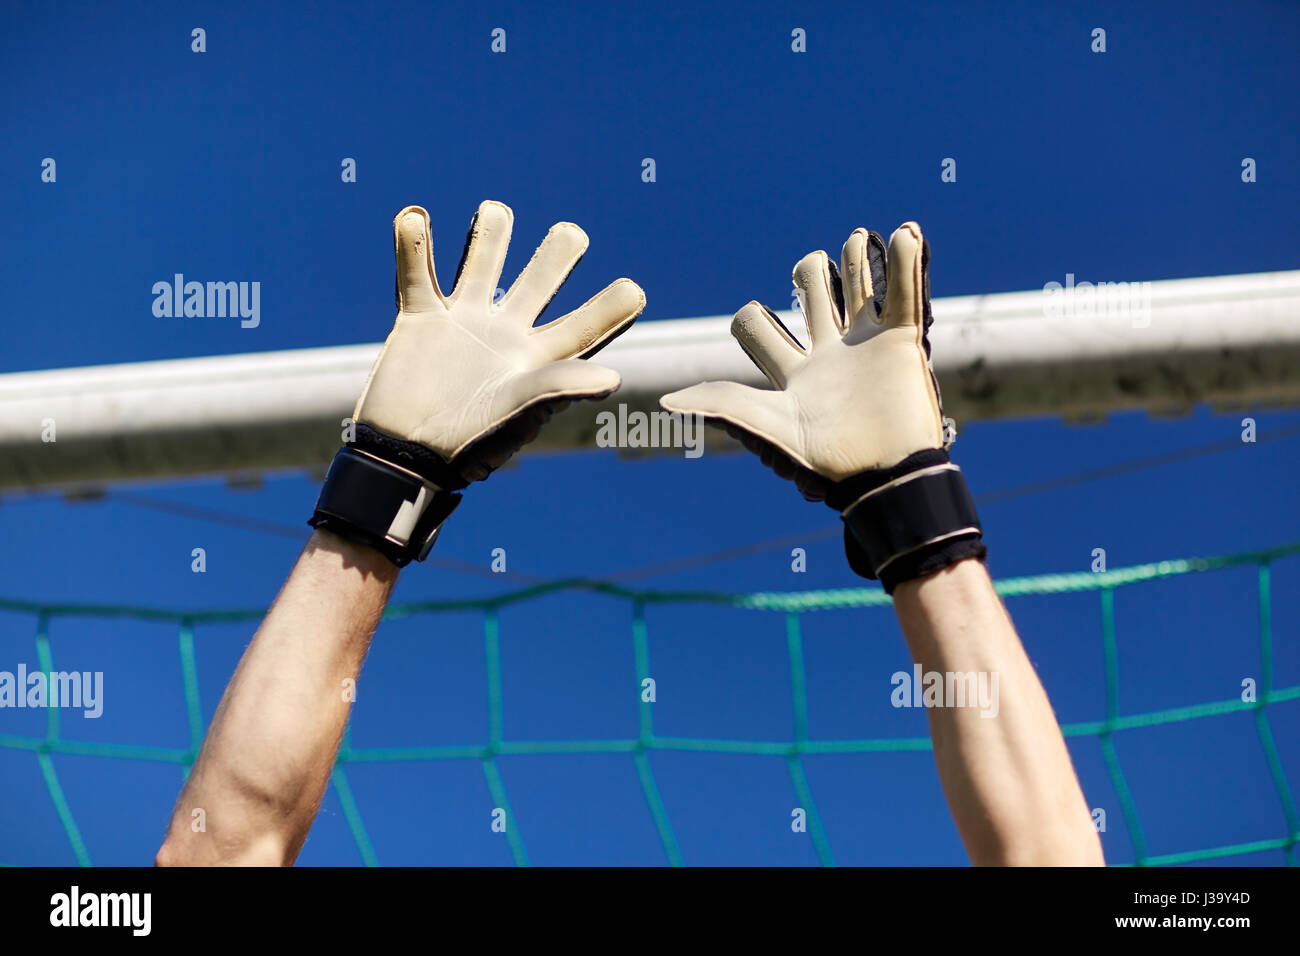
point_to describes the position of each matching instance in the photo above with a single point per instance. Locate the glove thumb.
(761, 412)
(568, 378)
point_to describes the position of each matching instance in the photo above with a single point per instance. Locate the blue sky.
(225, 165)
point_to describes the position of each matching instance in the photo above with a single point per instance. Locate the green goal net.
(793, 606)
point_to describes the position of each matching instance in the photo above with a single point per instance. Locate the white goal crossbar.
(1232, 341)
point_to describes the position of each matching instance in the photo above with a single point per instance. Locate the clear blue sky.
(225, 165)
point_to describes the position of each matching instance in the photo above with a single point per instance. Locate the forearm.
(1008, 777)
(462, 382)
(269, 752)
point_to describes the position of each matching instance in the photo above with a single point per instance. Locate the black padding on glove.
(876, 258)
(464, 252)
(777, 319)
(362, 496)
(837, 289)
(916, 565)
(926, 559)
(912, 528)
(409, 454)
(844, 493)
(928, 319)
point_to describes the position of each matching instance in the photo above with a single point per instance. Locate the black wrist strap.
(913, 524)
(389, 508)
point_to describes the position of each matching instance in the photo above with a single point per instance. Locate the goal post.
(1078, 351)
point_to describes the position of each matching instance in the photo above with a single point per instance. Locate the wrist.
(930, 559)
(377, 503)
(370, 561)
(962, 579)
(908, 520)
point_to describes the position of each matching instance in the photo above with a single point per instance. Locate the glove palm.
(862, 397)
(470, 378)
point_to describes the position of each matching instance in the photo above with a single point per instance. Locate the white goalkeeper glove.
(462, 381)
(855, 419)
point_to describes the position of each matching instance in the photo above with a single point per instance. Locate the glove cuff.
(909, 520)
(384, 506)
(408, 455)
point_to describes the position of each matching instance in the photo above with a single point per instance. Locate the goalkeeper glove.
(463, 382)
(855, 419)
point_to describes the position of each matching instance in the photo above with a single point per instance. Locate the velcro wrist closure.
(382, 505)
(912, 513)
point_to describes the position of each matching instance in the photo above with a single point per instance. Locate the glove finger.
(904, 305)
(862, 265)
(485, 253)
(417, 285)
(593, 325)
(818, 283)
(546, 271)
(764, 413)
(767, 342)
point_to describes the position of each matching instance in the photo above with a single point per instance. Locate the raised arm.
(855, 419)
(1008, 778)
(462, 382)
(267, 757)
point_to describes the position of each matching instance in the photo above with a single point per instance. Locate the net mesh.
(793, 605)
